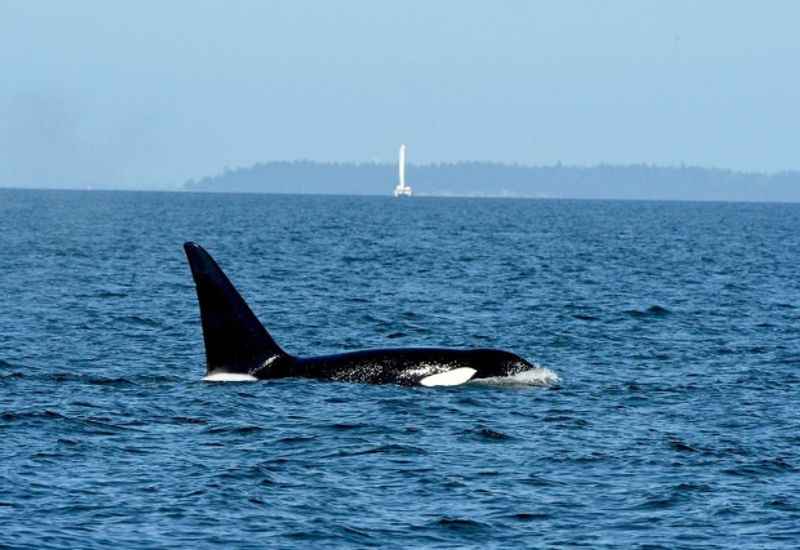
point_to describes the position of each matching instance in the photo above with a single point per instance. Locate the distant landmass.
(486, 179)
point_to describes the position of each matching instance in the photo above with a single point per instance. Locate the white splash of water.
(229, 377)
(537, 376)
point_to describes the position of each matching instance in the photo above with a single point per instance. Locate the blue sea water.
(674, 329)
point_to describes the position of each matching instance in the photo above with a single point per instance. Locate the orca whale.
(239, 348)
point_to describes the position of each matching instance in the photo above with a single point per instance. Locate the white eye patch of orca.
(229, 377)
(450, 378)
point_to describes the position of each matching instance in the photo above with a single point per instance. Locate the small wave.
(461, 524)
(86, 425)
(683, 488)
(110, 294)
(652, 311)
(345, 427)
(237, 430)
(9, 416)
(540, 481)
(537, 376)
(784, 504)
(297, 439)
(100, 381)
(65, 377)
(390, 449)
(487, 434)
(772, 466)
(530, 516)
(678, 445)
(140, 321)
(584, 317)
(658, 502)
(189, 420)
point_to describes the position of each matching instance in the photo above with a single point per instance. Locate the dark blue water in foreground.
(674, 328)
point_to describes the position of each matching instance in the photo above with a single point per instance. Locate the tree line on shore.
(487, 179)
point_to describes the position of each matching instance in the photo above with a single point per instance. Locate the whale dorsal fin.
(236, 341)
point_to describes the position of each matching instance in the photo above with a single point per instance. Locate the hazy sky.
(153, 93)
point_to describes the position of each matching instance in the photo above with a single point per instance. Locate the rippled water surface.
(674, 329)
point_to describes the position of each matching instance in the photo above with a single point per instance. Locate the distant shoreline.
(486, 180)
(495, 180)
(388, 197)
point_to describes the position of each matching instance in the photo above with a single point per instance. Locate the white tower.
(402, 190)
(402, 166)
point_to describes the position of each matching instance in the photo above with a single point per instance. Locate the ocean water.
(673, 329)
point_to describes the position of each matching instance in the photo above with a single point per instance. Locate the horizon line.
(184, 191)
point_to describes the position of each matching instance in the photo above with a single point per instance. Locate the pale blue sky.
(153, 93)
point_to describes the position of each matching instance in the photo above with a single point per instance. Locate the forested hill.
(502, 180)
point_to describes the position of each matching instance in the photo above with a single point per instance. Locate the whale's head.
(496, 362)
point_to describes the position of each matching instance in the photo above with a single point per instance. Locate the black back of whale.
(236, 342)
